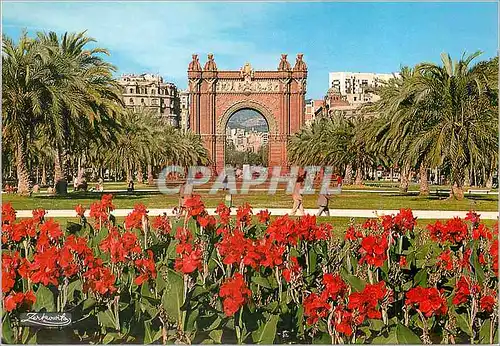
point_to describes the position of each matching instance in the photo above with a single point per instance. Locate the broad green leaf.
(390, 339)
(44, 300)
(7, 332)
(484, 333)
(88, 303)
(406, 336)
(106, 319)
(356, 283)
(477, 268)
(322, 339)
(72, 287)
(216, 335)
(376, 324)
(312, 261)
(262, 281)
(420, 278)
(462, 324)
(148, 337)
(108, 338)
(173, 296)
(192, 318)
(266, 332)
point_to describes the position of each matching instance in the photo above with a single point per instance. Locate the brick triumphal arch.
(215, 95)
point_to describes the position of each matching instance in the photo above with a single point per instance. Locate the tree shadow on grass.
(98, 195)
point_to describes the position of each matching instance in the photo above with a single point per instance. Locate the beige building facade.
(147, 91)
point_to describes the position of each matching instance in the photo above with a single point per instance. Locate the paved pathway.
(362, 213)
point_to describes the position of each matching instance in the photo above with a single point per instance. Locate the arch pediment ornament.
(247, 104)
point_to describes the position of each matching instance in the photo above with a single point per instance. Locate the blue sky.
(159, 37)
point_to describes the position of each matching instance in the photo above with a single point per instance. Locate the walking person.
(298, 197)
(323, 200)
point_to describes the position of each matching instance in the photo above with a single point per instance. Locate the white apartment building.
(184, 98)
(355, 85)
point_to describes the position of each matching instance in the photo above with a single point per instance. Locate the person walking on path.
(323, 200)
(297, 197)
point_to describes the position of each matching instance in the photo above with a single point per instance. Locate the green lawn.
(347, 200)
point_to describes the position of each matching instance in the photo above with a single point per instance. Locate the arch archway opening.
(246, 139)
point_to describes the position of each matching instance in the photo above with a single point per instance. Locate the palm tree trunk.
(140, 176)
(23, 175)
(424, 182)
(467, 178)
(44, 175)
(150, 174)
(60, 166)
(128, 171)
(457, 188)
(359, 176)
(391, 174)
(405, 181)
(348, 175)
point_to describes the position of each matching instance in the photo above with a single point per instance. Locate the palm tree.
(84, 94)
(25, 77)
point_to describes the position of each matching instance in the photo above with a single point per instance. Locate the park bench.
(478, 191)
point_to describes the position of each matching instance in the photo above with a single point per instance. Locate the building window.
(153, 91)
(131, 100)
(131, 90)
(354, 98)
(142, 100)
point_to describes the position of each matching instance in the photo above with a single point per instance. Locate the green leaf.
(72, 287)
(173, 296)
(390, 339)
(462, 324)
(262, 281)
(477, 267)
(108, 338)
(312, 261)
(484, 333)
(191, 320)
(7, 333)
(406, 336)
(420, 278)
(88, 303)
(106, 319)
(356, 283)
(266, 332)
(322, 339)
(44, 300)
(216, 335)
(148, 337)
(376, 324)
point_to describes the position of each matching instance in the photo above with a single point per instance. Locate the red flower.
(370, 224)
(15, 300)
(454, 231)
(224, 213)
(80, 210)
(244, 214)
(335, 287)
(162, 224)
(487, 303)
(8, 213)
(44, 268)
(404, 220)
(481, 232)
(52, 228)
(107, 202)
(189, 261)
(136, 217)
(315, 307)
(402, 261)
(10, 263)
(473, 217)
(194, 205)
(292, 269)
(373, 250)
(38, 215)
(366, 301)
(100, 280)
(445, 260)
(146, 266)
(494, 255)
(264, 216)
(463, 290)
(352, 234)
(343, 320)
(234, 293)
(120, 247)
(428, 300)
(271, 253)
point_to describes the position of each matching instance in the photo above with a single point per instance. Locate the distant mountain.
(248, 119)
